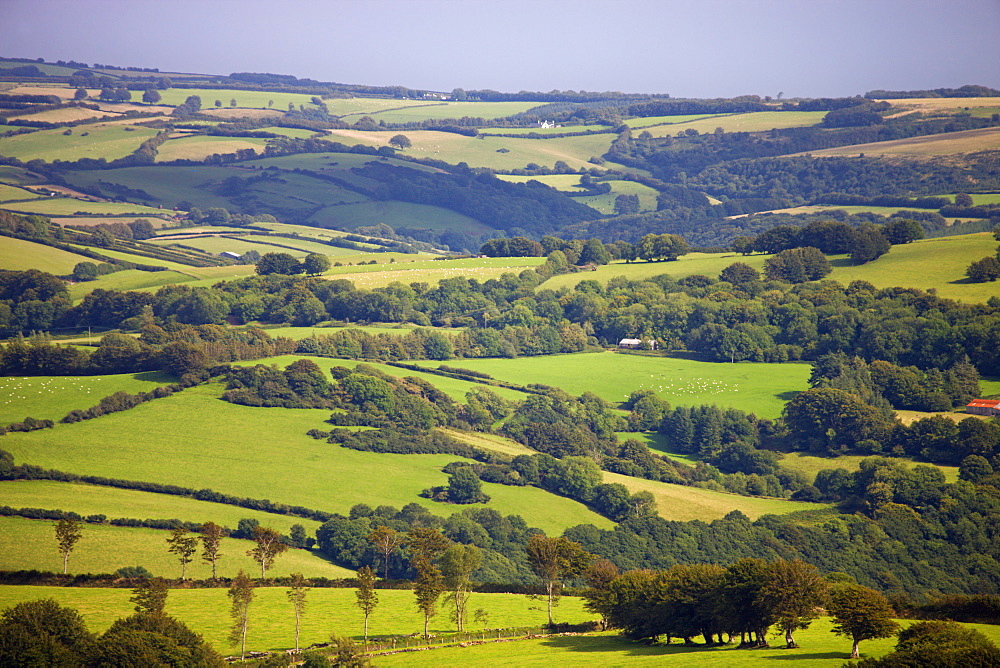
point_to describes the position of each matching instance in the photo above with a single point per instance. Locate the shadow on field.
(794, 655)
(618, 644)
(787, 396)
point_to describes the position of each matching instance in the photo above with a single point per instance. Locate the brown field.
(65, 92)
(65, 115)
(949, 143)
(945, 103)
(122, 107)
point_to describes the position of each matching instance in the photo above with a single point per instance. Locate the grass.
(30, 544)
(103, 141)
(638, 124)
(945, 103)
(8, 193)
(440, 110)
(810, 465)
(261, 244)
(200, 147)
(603, 203)
(757, 121)
(64, 206)
(290, 132)
(130, 279)
(938, 263)
(330, 162)
(167, 185)
(360, 106)
(95, 500)
(272, 623)
(681, 503)
(402, 214)
(949, 143)
(252, 99)
(52, 397)
(19, 176)
(755, 387)
(20, 255)
(195, 440)
(64, 115)
(483, 151)
(299, 333)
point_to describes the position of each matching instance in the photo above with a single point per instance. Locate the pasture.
(299, 333)
(52, 397)
(8, 193)
(809, 464)
(485, 151)
(252, 99)
(758, 121)
(759, 388)
(400, 214)
(166, 185)
(948, 143)
(603, 203)
(64, 115)
(20, 255)
(200, 147)
(87, 499)
(19, 176)
(381, 275)
(362, 106)
(130, 279)
(67, 206)
(102, 140)
(195, 440)
(30, 544)
(645, 122)
(438, 110)
(272, 622)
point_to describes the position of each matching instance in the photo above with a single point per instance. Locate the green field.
(103, 141)
(272, 623)
(948, 143)
(20, 255)
(200, 147)
(113, 502)
(483, 151)
(759, 388)
(603, 203)
(299, 333)
(559, 129)
(30, 544)
(929, 263)
(639, 124)
(65, 206)
(167, 185)
(130, 279)
(19, 176)
(290, 132)
(249, 99)
(363, 277)
(8, 193)
(757, 121)
(330, 162)
(432, 109)
(195, 440)
(400, 214)
(52, 397)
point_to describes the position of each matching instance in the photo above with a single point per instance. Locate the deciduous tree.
(269, 546)
(183, 546)
(457, 565)
(150, 596)
(298, 588)
(241, 593)
(367, 597)
(860, 614)
(553, 560)
(211, 539)
(68, 533)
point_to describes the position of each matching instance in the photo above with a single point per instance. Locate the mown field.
(103, 140)
(757, 121)
(429, 109)
(130, 279)
(200, 147)
(929, 263)
(602, 203)
(649, 121)
(195, 440)
(485, 151)
(52, 397)
(949, 143)
(754, 387)
(402, 214)
(30, 544)
(20, 255)
(66, 206)
(8, 193)
(244, 98)
(328, 610)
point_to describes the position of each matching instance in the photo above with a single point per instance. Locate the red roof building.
(983, 407)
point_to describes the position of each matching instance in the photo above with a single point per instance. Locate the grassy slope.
(757, 121)
(194, 440)
(402, 214)
(21, 255)
(442, 110)
(949, 143)
(8, 193)
(103, 141)
(64, 206)
(929, 263)
(244, 98)
(30, 544)
(51, 397)
(199, 147)
(130, 279)
(299, 333)
(760, 388)
(272, 623)
(112, 502)
(169, 184)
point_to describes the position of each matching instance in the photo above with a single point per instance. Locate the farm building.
(984, 407)
(637, 344)
(230, 255)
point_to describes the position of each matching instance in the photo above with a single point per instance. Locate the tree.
(982, 271)
(269, 546)
(797, 265)
(400, 141)
(902, 231)
(457, 565)
(793, 592)
(151, 96)
(867, 244)
(386, 541)
(553, 560)
(739, 274)
(296, 594)
(85, 271)
(963, 199)
(464, 486)
(80, 94)
(153, 639)
(626, 204)
(366, 595)
(211, 539)
(242, 594)
(183, 546)
(232, 102)
(278, 263)
(68, 533)
(315, 264)
(426, 545)
(150, 596)
(861, 613)
(43, 633)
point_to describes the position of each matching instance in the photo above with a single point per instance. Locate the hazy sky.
(686, 48)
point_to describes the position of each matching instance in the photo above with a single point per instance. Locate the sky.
(684, 48)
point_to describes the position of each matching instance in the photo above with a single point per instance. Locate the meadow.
(66, 206)
(328, 610)
(261, 244)
(20, 255)
(8, 193)
(948, 143)
(299, 333)
(937, 263)
(104, 140)
(757, 121)
(200, 147)
(19, 176)
(602, 203)
(52, 397)
(402, 214)
(244, 98)
(759, 388)
(195, 440)
(30, 544)
(433, 110)
(64, 115)
(167, 185)
(129, 279)
(645, 122)
(484, 151)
